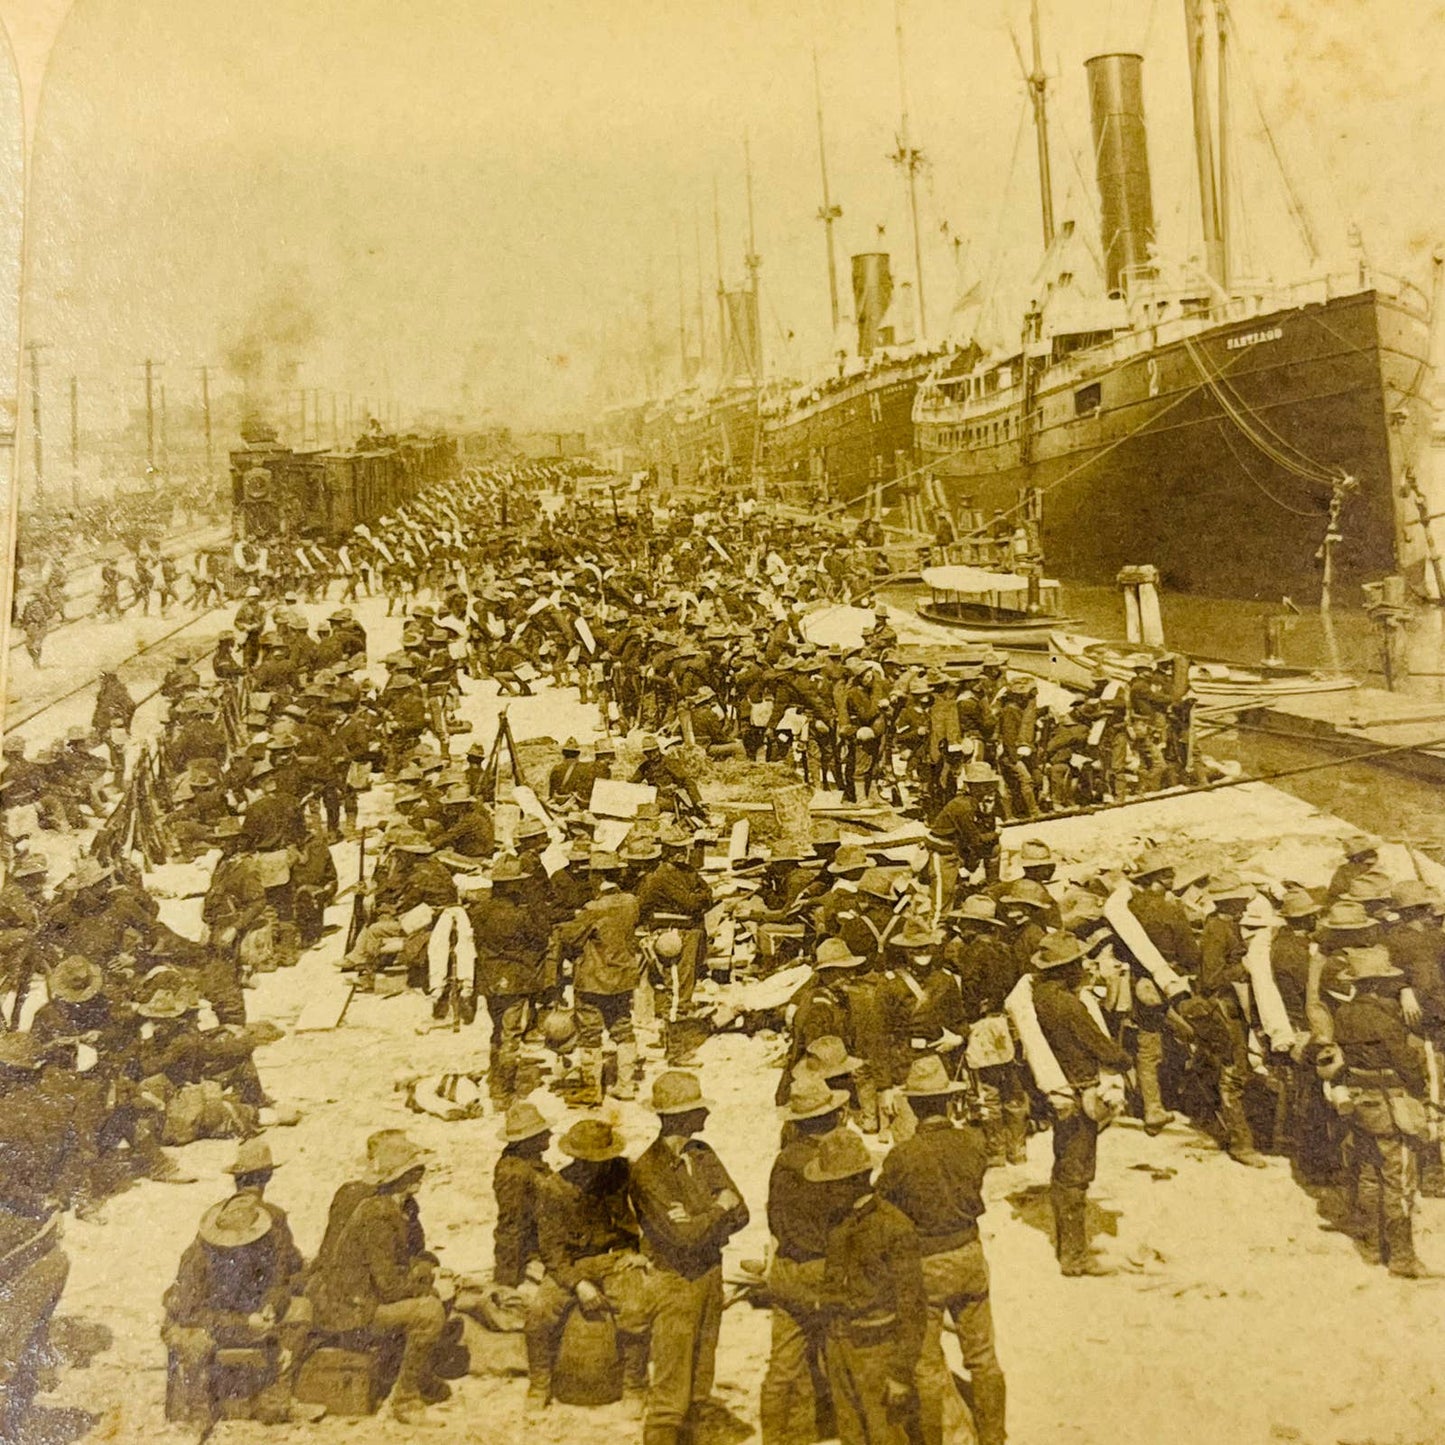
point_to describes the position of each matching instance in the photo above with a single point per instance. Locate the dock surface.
(1362, 720)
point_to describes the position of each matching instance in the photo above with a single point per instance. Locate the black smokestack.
(1126, 201)
(872, 291)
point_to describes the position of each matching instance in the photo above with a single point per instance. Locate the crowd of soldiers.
(956, 1000)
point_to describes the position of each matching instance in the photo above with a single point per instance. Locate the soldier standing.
(876, 1300)
(1082, 1048)
(687, 1207)
(794, 1407)
(936, 1179)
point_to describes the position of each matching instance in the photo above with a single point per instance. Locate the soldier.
(1218, 1016)
(1082, 1049)
(375, 1273)
(936, 1180)
(1383, 1074)
(250, 622)
(688, 1208)
(513, 970)
(677, 790)
(589, 1245)
(607, 970)
(565, 781)
(795, 1407)
(1157, 907)
(518, 1182)
(40, 1167)
(876, 1301)
(676, 895)
(965, 830)
(108, 603)
(466, 826)
(169, 576)
(1361, 855)
(233, 1290)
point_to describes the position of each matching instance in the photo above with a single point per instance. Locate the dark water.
(1368, 795)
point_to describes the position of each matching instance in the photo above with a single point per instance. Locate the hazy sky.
(473, 200)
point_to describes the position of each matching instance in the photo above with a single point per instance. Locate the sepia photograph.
(722, 722)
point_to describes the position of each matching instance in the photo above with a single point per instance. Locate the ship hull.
(851, 440)
(1144, 461)
(686, 448)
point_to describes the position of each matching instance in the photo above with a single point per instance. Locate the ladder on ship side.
(1413, 491)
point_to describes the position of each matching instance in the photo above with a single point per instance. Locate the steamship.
(1249, 441)
(851, 433)
(697, 438)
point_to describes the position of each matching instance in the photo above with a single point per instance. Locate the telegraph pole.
(75, 441)
(206, 415)
(165, 437)
(33, 347)
(150, 417)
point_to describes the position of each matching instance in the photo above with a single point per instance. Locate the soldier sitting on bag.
(232, 1292)
(374, 1273)
(588, 1236)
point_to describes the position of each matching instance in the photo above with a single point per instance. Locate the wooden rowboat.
(1211, 678)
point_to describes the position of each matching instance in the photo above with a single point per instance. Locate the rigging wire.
(996, 244)
(1278, 451)
(1298, 214)
(1244, 467)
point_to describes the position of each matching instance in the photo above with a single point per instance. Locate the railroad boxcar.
(279, 492)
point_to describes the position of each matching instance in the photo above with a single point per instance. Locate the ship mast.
(753, 262)
(701, 321)
(1221, 22)
(681, 307)
(1038, 94)
(909, 159)
(1214, 261)
(828, 213)
(722, 300)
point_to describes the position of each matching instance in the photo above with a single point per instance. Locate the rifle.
(358, 903)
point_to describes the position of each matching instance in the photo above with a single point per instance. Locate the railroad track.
(88, 590)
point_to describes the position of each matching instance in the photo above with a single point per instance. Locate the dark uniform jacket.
(1079, 1044)
(674, 888)
(518, 1184)
(874, 1277)
(661, 1179)
(801, 1212)
(214, 1287)
(370, 1264)
(936, 1179)
(576, 1224)
(511, 944)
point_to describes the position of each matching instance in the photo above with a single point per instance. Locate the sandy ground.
(1237, 1318)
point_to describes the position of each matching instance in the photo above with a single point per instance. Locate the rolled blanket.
(1019, 1006)
(1273, 1016)
(1136, 940)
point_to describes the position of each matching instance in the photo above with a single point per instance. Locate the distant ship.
(697, 437)
(1250, 441)
(851, 434)
(848, 435)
